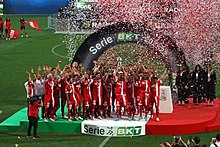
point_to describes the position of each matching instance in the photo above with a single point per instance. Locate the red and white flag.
(13, 34)
(34, 24)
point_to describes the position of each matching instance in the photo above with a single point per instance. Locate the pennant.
(13, 34)
(34, 24)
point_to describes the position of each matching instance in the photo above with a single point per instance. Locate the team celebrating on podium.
(90, 94)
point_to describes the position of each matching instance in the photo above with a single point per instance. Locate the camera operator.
(178, 142)
(216, 141)
(196, 142)
(33, 108)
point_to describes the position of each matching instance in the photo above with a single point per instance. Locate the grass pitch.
(17, 56)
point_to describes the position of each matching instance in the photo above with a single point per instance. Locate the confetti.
(193, 26)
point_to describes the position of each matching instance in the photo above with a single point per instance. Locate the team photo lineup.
(110, 73)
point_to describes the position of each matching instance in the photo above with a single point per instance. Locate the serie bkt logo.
(129, 131)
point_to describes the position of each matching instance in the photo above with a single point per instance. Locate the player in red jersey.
(22, 27)
(130, 95)
(29, 86)
(49, 97)
(107, 94)
(56, 90)
(72, 102)
(97, 89)
(86, 93)
(63, 83)
(144, 84)
(154, 97)
(8, 25)
(77, 93)
(120, 92)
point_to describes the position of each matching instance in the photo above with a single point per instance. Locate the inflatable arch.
(107, 37)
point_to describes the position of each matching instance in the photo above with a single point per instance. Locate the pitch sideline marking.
(53, 51)
(105, 141)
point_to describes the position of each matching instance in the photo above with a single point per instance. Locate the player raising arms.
(48, 97)
(144, 85)
(154, 97)
(97, 90)
(120, 92)
(108, 93)
(86, 93)
(71, 99)
(78, 95)
(56, 89)
(129, 93)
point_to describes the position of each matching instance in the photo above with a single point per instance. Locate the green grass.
(17, 56)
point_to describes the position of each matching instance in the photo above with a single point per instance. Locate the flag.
(34, 24)
(13, 34)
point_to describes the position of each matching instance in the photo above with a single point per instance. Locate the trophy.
(119, 60)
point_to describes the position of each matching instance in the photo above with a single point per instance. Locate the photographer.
(216, 141)
(196, 142)
(33, 108)
(178, 142)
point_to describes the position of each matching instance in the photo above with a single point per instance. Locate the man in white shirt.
(39, 89)
(216, 141)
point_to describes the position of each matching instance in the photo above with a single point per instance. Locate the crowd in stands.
(80, 18)
(192, 142)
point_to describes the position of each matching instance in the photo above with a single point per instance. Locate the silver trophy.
(119, 60)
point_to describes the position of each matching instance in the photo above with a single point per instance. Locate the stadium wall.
(33, 6)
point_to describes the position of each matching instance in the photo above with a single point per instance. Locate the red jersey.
(56, 89)
(155, 92)
(97, 90)
(77, 89)
(63, 82)
(109, 87)
(136, 91)
(120, 88)
(22, 23)
(144, 86)
(1, 24)
(49, 85)
(86, 89)
(69, 89)
(129, 90)
(33, 109)
(8, 25)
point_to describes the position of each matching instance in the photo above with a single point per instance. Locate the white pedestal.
(166, 105)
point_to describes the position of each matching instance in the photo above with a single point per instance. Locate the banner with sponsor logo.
(99, 128)
(34, 24)
(13, 34)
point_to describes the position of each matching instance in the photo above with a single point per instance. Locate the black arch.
(107, 37)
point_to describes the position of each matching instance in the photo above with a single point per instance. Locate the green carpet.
(19, 122)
